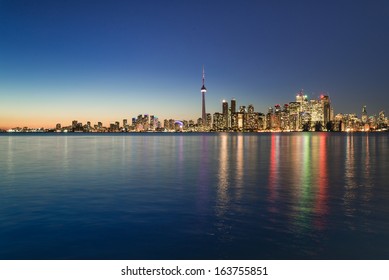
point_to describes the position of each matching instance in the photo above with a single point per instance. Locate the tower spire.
(203, 76)
(203, 91)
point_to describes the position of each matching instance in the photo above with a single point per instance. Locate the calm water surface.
(194, 196)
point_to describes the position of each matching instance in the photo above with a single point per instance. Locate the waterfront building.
(166, 124)
(285, 118)
(225, 115)
(327, 112)
(208, 123)
(269, 118)
(218, 121)
(294, 116)
(233, 123)
(317, 115)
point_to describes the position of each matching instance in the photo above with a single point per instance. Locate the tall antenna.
(203, 76)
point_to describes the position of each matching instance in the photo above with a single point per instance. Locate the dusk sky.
(109, 60)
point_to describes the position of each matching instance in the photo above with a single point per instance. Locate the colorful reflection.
(274, 172)
(306, 183)
(223, 177)
(350, 183)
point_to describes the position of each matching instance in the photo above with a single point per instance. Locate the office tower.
(125, 123)
(208, 122)
(269, 118)
(218, 121)
(233, 122)
(294, 116)
(285, 118)
(203, 91)
(381, 122)
(325, 101)
(74, 124)
(303, 100)
(171, 124)
(166, 124)
(317, 115)
(251, 119)
(152, 123)
(364, 115)
(225, 114)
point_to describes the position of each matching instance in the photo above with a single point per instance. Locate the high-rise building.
(294, 116)
(74, 124)
(225, 114)
(233, 123)
(269, 118)
(208, 123)
(364, 115)
(326, 103)
(218, 121)
(276, 125)
(203, 91)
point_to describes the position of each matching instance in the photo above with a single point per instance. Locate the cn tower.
(203, 91)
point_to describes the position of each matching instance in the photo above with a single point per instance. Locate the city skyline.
(100, 61)
(302, 114)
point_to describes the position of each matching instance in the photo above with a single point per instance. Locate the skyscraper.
(325, 100)
(233, 122)
(203, 91)
(225, 114)
(364, 115)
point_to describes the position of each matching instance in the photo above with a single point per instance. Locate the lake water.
(194, 196)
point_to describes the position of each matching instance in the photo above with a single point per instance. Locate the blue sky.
(109, 60)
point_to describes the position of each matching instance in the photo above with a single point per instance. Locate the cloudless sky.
(110, 60)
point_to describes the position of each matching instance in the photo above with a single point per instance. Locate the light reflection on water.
(206, 196)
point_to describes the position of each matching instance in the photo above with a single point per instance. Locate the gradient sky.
(110, 60)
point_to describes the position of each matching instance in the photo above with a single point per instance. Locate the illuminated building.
(225, 114)
(218, 122)
(364, 115)
(294, 116)
(317, 115)
(166, 124)
(382, 121)
(200, 122)
(269, 118)
(276, 125)
(153, 123)
(208, 122)
(285, 118)
(327, 113)
(171, 124)
(74, 125)
(185, 124)
(251, 120)
(233, 123)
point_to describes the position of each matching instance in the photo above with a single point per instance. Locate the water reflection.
(350, 183)
(274, 172)
(223, 177)
(240, 166)
(298, 175)
(321, 207)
